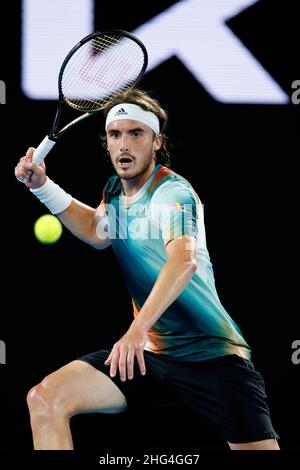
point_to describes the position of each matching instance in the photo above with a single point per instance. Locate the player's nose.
(124, 144)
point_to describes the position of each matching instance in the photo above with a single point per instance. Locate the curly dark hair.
(148, 103)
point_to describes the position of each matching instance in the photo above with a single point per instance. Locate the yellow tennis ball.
(47, 229)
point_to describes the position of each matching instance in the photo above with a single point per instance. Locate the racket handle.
(40, 153)
(42, 150)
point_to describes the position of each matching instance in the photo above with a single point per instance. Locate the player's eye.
(136, 133)
(114, 134)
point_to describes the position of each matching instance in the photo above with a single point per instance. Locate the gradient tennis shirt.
(196, 326)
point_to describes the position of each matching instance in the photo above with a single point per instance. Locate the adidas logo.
(121, 111)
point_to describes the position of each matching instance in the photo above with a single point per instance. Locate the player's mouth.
(125, 161)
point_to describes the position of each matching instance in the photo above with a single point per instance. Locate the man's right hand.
(36, 174)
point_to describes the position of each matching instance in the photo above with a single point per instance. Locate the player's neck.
(132, 186)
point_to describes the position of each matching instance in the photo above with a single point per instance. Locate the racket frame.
(54, 134)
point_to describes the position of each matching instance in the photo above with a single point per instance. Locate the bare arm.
(173, 278)
(86, 223)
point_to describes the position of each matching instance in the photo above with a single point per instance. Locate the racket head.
(101, 65)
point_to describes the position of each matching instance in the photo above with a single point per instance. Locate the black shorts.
(227, 391)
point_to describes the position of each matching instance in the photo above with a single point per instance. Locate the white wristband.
(53, 196)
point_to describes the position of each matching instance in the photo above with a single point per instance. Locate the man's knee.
(47, 399)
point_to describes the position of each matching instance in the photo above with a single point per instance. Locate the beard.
(134, 170)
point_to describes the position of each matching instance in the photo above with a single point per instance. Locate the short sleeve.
(176, 210)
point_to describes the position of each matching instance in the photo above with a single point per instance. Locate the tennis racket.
(101, 65)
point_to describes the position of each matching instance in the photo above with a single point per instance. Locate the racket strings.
(101, 67)
(98, 86)
(108, 81)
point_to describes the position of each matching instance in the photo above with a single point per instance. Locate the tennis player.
(182, 345)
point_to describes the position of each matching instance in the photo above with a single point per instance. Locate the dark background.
(64, 300)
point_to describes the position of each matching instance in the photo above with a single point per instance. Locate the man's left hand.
(123, 352)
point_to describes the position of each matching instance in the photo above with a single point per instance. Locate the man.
(181, 343)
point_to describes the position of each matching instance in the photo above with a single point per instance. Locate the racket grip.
(40, 153)
(42, 150)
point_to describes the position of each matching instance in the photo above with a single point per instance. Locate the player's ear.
(157, 142)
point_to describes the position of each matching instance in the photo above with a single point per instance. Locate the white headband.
(134, 112)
